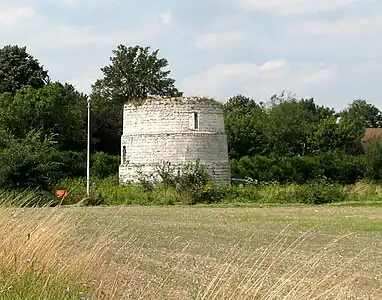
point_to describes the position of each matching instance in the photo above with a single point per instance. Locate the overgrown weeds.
(110, 192)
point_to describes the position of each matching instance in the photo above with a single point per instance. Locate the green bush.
(320, 193)
(373, 161)
(277, 193)
(194, 184)
(72, 164)
(339, 167)
(333, 166)
(104, 165)
(164, 194)
(208, 193)
(28, 163)
(245, 194)
(108, 191)
(191, 183)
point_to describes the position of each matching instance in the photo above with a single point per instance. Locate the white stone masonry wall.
(178, 130)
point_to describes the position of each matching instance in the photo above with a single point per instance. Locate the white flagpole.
(88, 155)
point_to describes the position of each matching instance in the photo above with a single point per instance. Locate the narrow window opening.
(196, 121)
(124, 155)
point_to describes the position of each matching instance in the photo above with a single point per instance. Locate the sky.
(330, 50)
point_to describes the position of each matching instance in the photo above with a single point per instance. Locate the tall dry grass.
(46, 254)
(43, 257)
(303, 277)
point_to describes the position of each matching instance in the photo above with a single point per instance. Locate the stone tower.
(176, 130)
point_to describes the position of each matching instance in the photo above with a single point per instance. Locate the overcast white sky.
(329, 49)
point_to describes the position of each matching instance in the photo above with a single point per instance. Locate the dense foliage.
(134, 74)
(19, 70)
(285, 140)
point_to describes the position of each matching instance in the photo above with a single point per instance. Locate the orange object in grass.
(61, 193)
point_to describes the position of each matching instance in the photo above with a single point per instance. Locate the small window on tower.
(196, 121)
(124, 155)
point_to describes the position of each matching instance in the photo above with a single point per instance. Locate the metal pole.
(88, 155)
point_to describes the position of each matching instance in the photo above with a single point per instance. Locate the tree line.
(43, 125)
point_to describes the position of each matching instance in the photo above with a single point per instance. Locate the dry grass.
(191, 253)
(40, 258)
(364, 189)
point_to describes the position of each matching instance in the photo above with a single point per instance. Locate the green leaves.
(289, 126)
(245, 123)
(55, 109)
(135, 74)
(284, 126)
(364, 114)
(27, 163)
(331, 134)
(358, 116)
(373, 160)
(19, 70)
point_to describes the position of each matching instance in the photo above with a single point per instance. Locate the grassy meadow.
(191, 252)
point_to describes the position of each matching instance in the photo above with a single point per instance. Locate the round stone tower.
(173, 130)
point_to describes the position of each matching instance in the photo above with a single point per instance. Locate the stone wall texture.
(175, 130)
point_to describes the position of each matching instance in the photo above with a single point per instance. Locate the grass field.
(177, 252)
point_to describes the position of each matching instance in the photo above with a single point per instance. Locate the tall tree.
(291, 123)
(19, 69)
(134, 73)
(358, 116)
(245, 123)
(56, 109)
(363, 115)
(240, 104)
(332, 134)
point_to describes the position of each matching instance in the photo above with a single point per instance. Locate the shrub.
(104, 165)
(195, 185)
(208, 193)
(339, 167)
(320, 193)
(192, 183)
(245, 194)
(107, 191)
(28, 163)
(72, 164)
(164, 194)
(277, 193)
(333, 166)
(373, 161)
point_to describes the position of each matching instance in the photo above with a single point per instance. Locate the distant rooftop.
(372, 134)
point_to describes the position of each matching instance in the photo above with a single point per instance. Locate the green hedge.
(331, 166)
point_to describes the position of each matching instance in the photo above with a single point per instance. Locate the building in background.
(173, 130)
